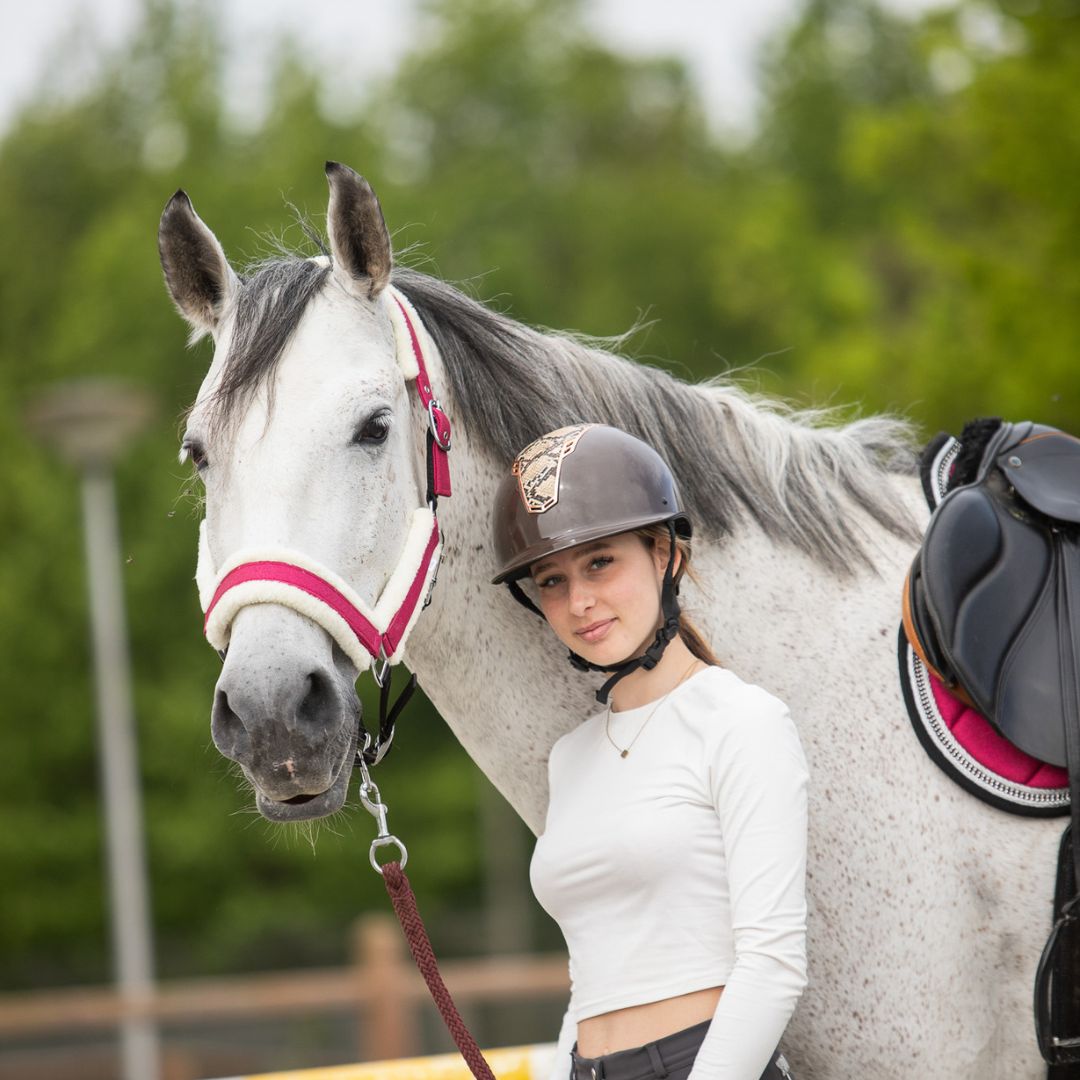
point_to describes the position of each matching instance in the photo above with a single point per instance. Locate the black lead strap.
(432, 498)
(372, 751)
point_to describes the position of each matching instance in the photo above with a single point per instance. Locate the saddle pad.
(964, 745)
(959, 739)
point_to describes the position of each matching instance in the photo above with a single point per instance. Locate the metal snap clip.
(373, 804)
(1015, 461)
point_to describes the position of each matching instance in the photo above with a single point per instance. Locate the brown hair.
(690, 634)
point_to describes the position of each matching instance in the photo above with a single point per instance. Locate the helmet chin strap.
(667, 632)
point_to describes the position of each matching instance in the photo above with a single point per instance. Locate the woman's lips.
(595, 631)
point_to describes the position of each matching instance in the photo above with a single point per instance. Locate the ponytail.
(693, 640)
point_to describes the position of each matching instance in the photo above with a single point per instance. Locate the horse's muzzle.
(286, 711)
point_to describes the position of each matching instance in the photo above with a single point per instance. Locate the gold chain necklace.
(652, 712)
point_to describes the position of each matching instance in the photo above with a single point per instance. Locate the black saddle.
(993, 596)
(992, 605)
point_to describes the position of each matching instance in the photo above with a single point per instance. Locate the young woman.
(673, 856)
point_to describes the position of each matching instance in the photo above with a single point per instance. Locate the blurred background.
(849, 203)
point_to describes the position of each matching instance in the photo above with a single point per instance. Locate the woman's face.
(602, 598)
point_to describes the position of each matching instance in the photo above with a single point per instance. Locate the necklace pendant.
(625, 752)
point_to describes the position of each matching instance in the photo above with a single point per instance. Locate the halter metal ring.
(432, 405)
(384, 841)
(380, 667)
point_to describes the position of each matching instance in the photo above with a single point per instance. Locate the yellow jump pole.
(508, 1063)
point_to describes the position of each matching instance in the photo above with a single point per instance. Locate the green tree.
(904, 219)
(899, 233)
(82, 185)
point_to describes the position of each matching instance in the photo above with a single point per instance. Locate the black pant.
(669, 1058)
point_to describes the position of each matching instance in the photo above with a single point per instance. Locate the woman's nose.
(581, 597)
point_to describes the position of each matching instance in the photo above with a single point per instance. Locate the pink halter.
(293, 579)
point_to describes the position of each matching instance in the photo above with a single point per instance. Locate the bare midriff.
(624, 1029)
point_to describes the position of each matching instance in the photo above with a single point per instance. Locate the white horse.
(928, 909)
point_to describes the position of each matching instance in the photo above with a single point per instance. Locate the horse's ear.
(359, 240)
(199, 277)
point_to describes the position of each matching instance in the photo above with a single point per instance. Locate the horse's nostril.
(228, 731)
(319, 701)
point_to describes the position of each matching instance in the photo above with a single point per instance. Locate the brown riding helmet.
(577, 484)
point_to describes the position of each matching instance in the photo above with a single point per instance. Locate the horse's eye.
(192, 450)
(373, 430)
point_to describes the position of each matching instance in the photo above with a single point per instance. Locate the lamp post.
(89, 422)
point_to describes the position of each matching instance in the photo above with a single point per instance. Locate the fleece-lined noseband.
(369, 636)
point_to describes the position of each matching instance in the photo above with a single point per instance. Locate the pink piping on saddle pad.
(975, 734)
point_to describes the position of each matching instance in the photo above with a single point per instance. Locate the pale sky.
(362, 39)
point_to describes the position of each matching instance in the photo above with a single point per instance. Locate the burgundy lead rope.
(393, 873)
(401, 896)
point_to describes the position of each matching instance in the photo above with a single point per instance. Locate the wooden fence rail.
(381, 984)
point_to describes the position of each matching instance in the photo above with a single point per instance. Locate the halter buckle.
(439, 424)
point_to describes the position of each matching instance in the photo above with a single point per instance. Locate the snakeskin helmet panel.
(539, 466)
(576, 484)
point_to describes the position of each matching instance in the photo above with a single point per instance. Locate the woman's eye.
(546, 583)
(600, 562)
(195, 452)
(374, 430)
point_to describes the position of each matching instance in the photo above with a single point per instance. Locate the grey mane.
(735, 455)
(271, 299)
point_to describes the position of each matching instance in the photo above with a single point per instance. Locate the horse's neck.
(489, 667)
(778, 618)
(500, 678)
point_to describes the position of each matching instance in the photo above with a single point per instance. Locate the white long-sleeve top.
(682, 866)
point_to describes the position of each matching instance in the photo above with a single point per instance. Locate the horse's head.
(311, 449)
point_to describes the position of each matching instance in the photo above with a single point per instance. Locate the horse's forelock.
(272, 298)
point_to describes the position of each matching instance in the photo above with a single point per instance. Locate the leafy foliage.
(900, 233)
